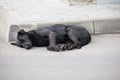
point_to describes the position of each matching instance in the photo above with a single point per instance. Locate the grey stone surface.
(100, 60)
(107, 26)
(13, 32)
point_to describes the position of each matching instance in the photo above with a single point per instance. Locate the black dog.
(56, 37)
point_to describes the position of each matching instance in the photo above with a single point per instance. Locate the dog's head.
(23, 40)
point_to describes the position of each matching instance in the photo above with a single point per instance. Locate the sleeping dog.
(57, 37)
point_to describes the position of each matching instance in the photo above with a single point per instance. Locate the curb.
(99, 26)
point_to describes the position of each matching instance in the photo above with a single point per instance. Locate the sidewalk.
(57, 11)
(100, 60)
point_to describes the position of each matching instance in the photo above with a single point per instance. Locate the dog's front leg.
(17, 44)
(52, 37)
(52, 42)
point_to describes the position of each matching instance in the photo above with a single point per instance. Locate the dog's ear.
(21, 31)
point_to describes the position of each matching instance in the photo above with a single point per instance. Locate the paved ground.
(57, 11)
(100, 60)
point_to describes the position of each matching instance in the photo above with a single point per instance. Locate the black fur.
(56, 37)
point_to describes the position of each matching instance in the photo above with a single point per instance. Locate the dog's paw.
(62, 47)
(69, 46)
(54, 48)
(79, 47)
(73, 46)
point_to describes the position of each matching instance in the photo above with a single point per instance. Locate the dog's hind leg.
(75, 42)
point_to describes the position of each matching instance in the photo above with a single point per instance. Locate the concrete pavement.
(100, 60)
